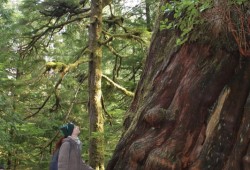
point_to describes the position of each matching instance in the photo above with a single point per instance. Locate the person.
(70, 151)
(1, 167)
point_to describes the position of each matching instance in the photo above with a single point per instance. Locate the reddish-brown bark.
(188, 111)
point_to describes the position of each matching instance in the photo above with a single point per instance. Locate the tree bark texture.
(96, 145)
(148, 18)
(190, 107)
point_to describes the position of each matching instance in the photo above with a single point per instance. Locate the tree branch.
(131, 36)
(63, 72)
(122, 89)
(66, 117)
(28, 47)
(113, 51)
(105, 111)
(39, 108)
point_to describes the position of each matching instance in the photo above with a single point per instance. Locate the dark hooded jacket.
(70, 156)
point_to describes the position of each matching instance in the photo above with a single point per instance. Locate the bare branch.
(29, 47)
(113, 51)
(39, 108)
(105, 111)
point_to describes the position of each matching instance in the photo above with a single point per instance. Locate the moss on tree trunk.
(96, 146)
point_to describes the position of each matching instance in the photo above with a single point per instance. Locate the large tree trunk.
(96, 146)
(188, 111)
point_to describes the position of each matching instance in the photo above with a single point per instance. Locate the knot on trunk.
(157, 116)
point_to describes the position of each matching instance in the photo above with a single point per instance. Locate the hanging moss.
(56, 66)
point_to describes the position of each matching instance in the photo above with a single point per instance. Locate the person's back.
(69, 156)
(70, 150)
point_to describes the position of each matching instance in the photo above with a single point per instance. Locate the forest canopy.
(44, 73)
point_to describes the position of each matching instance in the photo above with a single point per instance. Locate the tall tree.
(188, 111)
(48, 43)
(96, 150)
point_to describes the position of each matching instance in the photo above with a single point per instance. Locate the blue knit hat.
(67, 129)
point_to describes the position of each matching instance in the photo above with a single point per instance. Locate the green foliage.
(183, 15)
(32, 107)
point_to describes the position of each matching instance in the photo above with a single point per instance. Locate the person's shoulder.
(65, 144)
(67, 140)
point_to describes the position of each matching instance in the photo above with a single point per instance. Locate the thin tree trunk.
(148, 18)
(96, 149)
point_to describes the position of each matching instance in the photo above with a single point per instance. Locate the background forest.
(44, 73)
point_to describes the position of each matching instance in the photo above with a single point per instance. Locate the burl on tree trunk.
(190, 108)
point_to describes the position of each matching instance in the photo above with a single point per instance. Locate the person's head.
(70, 129)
